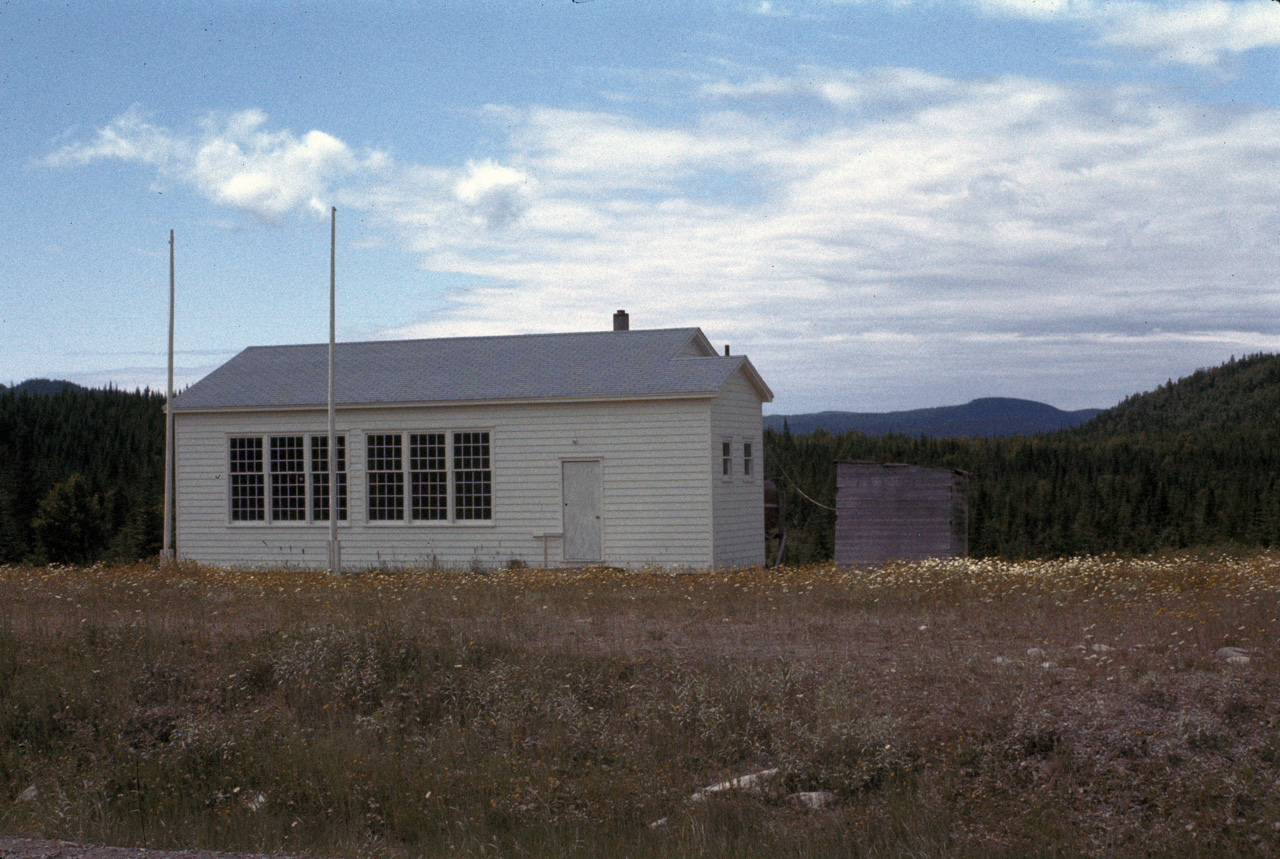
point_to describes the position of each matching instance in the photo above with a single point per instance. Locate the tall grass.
(1075, 707)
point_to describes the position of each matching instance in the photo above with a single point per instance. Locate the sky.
(885, 204)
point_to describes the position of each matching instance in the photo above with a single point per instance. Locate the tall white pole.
(335, 550)
(168, 553)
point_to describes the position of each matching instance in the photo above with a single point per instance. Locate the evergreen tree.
(69, 526)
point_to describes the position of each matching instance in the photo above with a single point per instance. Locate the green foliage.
(114, 441)
(1241, 394)
(1194, 463)
(69, 526)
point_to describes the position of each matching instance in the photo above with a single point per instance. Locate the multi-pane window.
(246, 483)
(415, 476)
(746, 459)
(288, 479)
(320, 478)
(472, 478)
(447, 477)
(385, 474)
(270, 477)
(726, 459)
(428, 476)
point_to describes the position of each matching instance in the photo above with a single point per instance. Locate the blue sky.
(887, 204)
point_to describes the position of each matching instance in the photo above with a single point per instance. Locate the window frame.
(241, 485)
(428, 471)
(471, 476)
(256, 484)
(424, 483)
(318, 476)
(384, 475)
(287, 466)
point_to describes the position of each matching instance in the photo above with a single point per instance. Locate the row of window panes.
(428, 478)
(726, 459)
(286, 464)
(425, 484)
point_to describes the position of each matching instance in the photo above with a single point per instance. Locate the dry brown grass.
(1072, 707)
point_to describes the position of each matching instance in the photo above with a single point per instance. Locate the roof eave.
(438, 404)
(756, 380)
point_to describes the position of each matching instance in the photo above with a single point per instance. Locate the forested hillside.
(81, 475)
(1194, 463)
(1241, 394)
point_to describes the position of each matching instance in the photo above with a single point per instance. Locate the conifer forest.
(1192, 464)
(81, 475)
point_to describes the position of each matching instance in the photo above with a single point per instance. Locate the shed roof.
(590, 365)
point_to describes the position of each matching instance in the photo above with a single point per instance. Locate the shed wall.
(888, 512)
(653, 455)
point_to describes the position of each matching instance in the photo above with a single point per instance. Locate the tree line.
(81, 475)
(1056, 494)
(1194, 463)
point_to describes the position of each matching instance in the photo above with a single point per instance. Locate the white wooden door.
(583, 522)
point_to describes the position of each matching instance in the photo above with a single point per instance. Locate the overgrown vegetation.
(1195, 463)
(961, 709)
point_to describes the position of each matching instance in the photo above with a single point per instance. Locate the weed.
(954, 708)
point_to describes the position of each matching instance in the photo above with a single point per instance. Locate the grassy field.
(959, 709)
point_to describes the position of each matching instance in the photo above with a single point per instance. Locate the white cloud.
(130, 137)
(1198, 33)
(975, 219)
(1193, 32)
(498, 195)
(942, 228)
(233, 161)
(1041, 9)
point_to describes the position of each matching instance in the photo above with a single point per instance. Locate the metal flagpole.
(335, 550)
(168, 553)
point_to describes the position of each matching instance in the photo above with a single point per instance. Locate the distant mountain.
(987, 417)
(1241, 394)
(38, 387)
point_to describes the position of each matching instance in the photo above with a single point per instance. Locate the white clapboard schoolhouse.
(622, 448)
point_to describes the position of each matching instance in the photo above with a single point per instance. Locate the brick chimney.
(621, 322)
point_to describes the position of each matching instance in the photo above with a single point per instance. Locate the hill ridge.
(987, 417)
(1243, 392)
(42, 387)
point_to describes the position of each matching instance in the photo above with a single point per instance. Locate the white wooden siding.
(653, 455)
(738, 520)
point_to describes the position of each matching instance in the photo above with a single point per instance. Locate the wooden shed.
(891, 511)
(627, 448)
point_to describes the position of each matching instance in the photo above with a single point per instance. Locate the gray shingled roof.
(605, 364)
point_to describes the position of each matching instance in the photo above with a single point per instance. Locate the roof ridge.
(690, 329)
